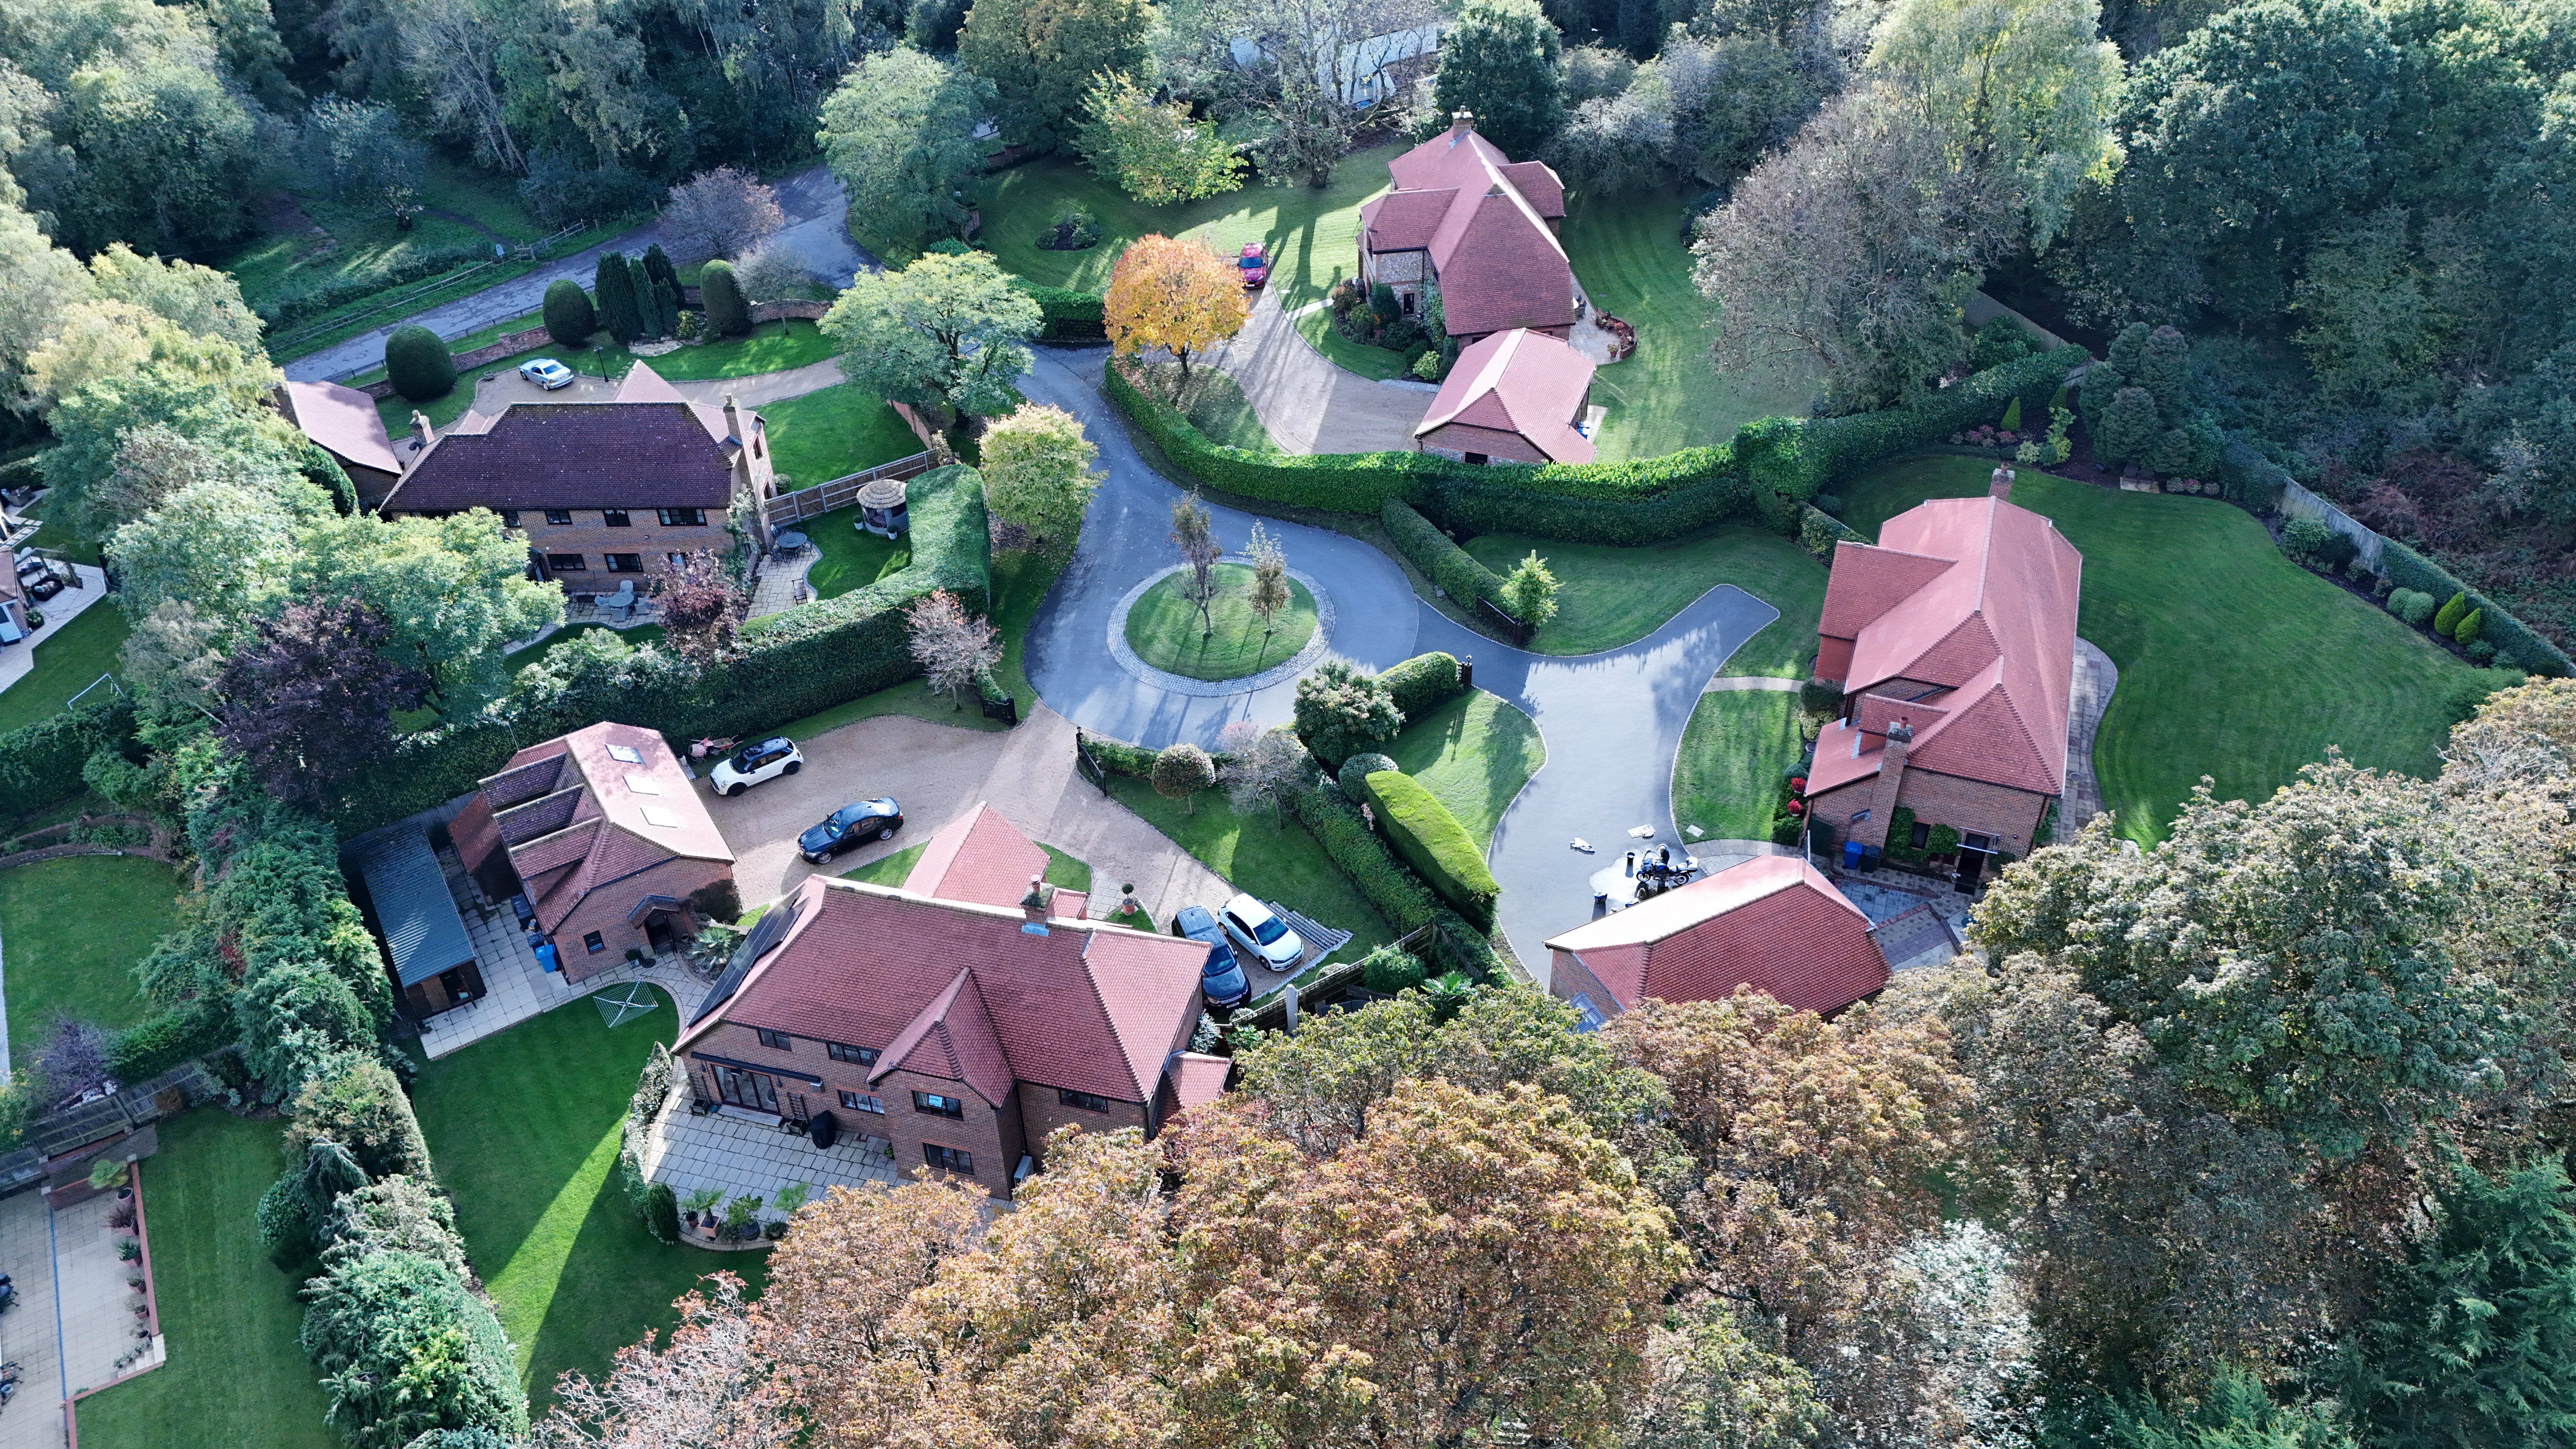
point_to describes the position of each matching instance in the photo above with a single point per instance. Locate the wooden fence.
(822, 498)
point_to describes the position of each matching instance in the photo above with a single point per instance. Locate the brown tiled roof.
(607, 818)
(1518, 382)
(623, 454)
(952, 1038)
(1083, 1005)
(539, 817)
(977, 857)
(344, 421)
(1772, 923)
(1499, 266)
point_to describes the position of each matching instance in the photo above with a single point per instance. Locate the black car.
(849, 827)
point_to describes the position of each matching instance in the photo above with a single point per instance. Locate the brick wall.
(2007, 814)
(1568, 975)
(1457, 439)
(1042, 1112)
(590, 536)
(992, 1134)
(604, 910)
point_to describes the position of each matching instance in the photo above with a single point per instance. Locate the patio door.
(755, 1090)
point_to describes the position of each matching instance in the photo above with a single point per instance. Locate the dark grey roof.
(766, 933)
(573, 455)
(422, 928)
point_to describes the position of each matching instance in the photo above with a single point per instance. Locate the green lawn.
(524, 1129)
(1215, 405)
(1166, 632)
(1473, 754)
(235, 1375)
(1283, 864)
(1020, 583)
(850, 556)
(67, 661)
(833, 433)
(2234, 662)
(1611, 596)
(637, 637)
(771, 347)
(71, 930)
(1062, 870)
(1727, 773)
(1628, 254)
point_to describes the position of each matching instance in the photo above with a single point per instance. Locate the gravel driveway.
(940, 773)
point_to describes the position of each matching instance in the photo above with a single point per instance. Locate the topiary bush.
(2448, 617)
(2470, 623)
(2304, 540)
(728, 315)
(1430, 839)
(570, 319)
(2419, 608)
(1181, 771)
(1358, 768)
(2514, 640)
(418, 364)
(1423, 683)
(2397, 601)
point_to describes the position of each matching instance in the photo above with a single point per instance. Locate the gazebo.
(881, 507)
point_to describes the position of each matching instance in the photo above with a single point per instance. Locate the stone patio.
(97, 1313)
(17, 661)
(751, 1155)
(30, 1332)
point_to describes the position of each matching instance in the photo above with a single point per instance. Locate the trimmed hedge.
(2514, 640)
(1431, 840)
(1066, 312)
(1389, 885)
(1423, 683)
(1819, 532)
(1440, 560)
(40, 764)
(788, 666)
(149, 1048)
(1358, 768)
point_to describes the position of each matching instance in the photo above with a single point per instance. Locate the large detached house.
(1478, 228)
(1954, 641)
(607, 837)
(600, 488)
(1772, 923)
(961, 1018)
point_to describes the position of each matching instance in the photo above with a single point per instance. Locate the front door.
(755, 1090)
(1972, 868)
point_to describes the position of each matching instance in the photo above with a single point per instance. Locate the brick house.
(605, 491)
(1954, 641)
(1772, 923)
(344, 423)
(605, 835)
(1516, 397)
(1478, 228)
(958, 1030)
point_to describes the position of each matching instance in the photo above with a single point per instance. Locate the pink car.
(1255, 266)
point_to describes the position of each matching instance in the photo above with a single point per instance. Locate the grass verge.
(235, 1375)
(2234, 662)
(1166, 632)
(73, 930)
(1735, 751)
(1473, 754)
(524, 1129)
(1611, 596)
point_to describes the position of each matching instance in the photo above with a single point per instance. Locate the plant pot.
(125, 1193)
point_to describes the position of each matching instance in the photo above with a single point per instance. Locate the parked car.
(1254, 265)
(546, 373)
(1222, 977)
(756, 764)
(849, 827)
(1251, 926)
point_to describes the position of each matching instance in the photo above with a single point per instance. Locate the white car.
(546, 373)
(1264, 936)
(755, 764)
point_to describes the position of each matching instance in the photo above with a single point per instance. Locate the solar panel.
(765, 935)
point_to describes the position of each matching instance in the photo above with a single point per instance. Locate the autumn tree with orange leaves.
(1173, 294)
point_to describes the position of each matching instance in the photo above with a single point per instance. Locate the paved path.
(813, 201)
(1728, 683)
(1308, 404)
(2095, 677)
(1611, 721)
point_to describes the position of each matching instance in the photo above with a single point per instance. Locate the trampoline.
(619, 1005)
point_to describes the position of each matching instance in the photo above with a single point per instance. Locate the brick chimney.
(420, 429)
(733, 423)
(2000, 485)
(1461, 121)
(1891, 779)
(1034, 904)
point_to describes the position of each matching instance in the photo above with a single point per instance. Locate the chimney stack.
(733, 421)
(1891, 780)
(1034, 904)
(1461, 121)
(420, 429)
(2000, 485)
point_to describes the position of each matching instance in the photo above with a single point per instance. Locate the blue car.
(1222, 977)
(850, 827)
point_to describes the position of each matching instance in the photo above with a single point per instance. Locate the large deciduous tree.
(454, 589)
(719, 213)
(1174, 295)
(900, 133)
(1312, 74)
(309, 701)
(1155, 153)
(706, 1385)
(701, 607)
(1501, 61)
(1037, 473)
(954, 648)
(1041, 55)
(948, 334)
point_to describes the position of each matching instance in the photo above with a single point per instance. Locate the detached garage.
(433, 958)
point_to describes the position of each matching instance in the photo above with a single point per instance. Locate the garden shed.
(433, 958)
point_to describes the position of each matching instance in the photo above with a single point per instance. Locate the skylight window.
(643, 784)
(656, 815)
(625, 755)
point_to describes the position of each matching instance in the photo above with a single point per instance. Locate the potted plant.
(701, 1203)
(107, 1172)
(740, 1217)
(128, 1249)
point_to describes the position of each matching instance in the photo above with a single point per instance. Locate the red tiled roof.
(608, 819)
(643, 451)
(1197, 1079)
(977, 857)
(1498, 264)
(1976, 596)
(344, 421)
(1518, 382)
(1772, 923)
(952, 1038)
(1085, 1005)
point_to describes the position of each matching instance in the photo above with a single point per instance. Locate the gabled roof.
(977, 857)
(605, 818)
(1483, 217)
(649, 447)
(925, 982)
(408, 888)
(1772, 923)
(1974, 601)
(1518, 382)
(344, 421)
